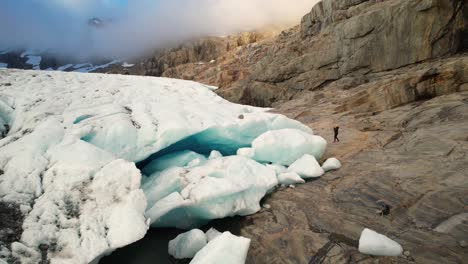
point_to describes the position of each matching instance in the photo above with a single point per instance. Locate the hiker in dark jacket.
(336, 130)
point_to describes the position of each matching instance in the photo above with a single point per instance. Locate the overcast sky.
(137, 25)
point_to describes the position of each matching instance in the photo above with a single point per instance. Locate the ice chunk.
(277, 168)
(307, 167)
(331, 164)
(177, 159)
(246, 152)
(212, 234)
(285, 146)
(288, 178)
(215, 155)
(161, 184)
(373, 243)
(220, 188)
(226, 248)
(186, 245)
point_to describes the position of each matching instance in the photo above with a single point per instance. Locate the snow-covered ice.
(127, 65)
(307, 167)
(90, 67)
(64, 67)
(373, 243)
(72, 144)
(285, 146)
(331, 164)
(186, 245)
(225, 248)
(32, 58)
(288, 178)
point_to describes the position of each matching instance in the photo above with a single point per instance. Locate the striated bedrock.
(349, 43)
(412, 156)
(73, 146)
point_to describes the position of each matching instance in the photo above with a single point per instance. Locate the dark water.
(153, 247)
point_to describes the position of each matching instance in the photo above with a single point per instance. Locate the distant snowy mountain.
(47, 60)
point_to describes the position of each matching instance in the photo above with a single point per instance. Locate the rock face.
(348, 43)
(413, 157)
(216, 60)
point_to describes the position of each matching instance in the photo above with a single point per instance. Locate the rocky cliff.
(351, 43)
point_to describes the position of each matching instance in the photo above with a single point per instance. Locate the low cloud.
(129, 28)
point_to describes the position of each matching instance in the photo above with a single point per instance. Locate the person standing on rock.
(336, 130)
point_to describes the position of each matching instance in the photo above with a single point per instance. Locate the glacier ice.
(331, 164)
(288, 178)
(307, 167)
(285, 146)
(161, 184)
(225, 248)
(186, 245)
(212, 234)
(223, 187)
(277, 168)
(214, 154)
(72, 148)
(176, 159)
(246, 152)
(373, 243)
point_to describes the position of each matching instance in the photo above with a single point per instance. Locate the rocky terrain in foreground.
(394, 76)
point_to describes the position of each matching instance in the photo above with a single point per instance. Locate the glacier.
(93, 160)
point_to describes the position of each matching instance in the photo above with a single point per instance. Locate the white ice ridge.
(373, 243)
(69, 143)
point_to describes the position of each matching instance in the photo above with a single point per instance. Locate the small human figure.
(336, 130)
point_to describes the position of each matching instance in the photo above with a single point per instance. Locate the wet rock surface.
(413, 157)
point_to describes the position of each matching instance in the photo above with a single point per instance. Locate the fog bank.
(126, 28)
